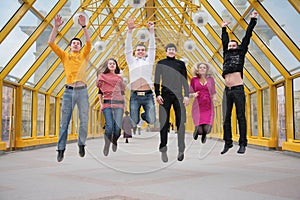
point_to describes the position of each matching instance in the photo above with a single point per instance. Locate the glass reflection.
(288, 18)
(26, 113)
(296, 95)
(253, 114)
(266, 112)
(40, 131)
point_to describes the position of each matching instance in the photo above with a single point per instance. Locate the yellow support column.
(290, 144)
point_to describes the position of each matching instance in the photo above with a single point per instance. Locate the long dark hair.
(105, 65)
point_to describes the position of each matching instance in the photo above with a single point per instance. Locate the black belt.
(75, 88)
(237, 87)
(113, 101)
(142, 92)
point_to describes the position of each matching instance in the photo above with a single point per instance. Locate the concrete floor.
(136, 171)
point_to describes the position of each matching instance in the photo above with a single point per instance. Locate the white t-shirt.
(140, 68)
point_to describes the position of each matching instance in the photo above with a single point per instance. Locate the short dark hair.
(234, 41)
(76, 39)
(140, 45)
(171, 45)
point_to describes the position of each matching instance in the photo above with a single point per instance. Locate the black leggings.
(204, 129)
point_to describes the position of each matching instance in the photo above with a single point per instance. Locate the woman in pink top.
(112, 101)
(202, 87)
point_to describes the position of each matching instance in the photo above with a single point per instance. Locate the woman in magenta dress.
(202, 88)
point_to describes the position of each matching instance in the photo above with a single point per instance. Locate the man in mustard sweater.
(74, 63)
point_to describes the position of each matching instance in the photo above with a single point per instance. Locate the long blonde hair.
(209, 71)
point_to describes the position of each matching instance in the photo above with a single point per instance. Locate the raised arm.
(225, 38)
(247, 37)
(151, 47)
(82, 22)
(57, 23)
(128, 42)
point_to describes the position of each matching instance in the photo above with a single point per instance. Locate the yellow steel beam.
(15, 19)
(23, 49)
(295, 4)
(150, 10)
(40, 30)
(276, 29)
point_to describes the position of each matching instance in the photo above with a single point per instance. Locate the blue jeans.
(70, 98)
(147, 102)
(113, 121)
(235, 95)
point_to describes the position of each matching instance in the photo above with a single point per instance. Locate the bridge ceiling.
(27, 61)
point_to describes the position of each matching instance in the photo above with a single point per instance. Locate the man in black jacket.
(170, 79)
(234, 58)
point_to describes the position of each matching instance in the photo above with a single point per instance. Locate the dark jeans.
(235, 95)
(164, 119)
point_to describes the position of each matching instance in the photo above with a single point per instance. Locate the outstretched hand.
(58, 21)
(151, 26)
(81, 20)
(130, 24)
(225, 23)
(254, 14)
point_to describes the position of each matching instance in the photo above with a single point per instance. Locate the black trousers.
(235, 95)
(164, 119)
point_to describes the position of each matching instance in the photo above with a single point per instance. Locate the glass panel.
(287, 18)
(275, 45)
(41, 115)
(258, 54)
(296, 95)
(15, 40)
(46, 6)
(240, 5)
(26, 113)
(22, 66)
(266, 113)
(264, 62)
(254, 73)
(222, 11)
(59, 86)
(52, 116)
(281, 116)
(248, 84)
(253, 114)
(45, 66)
(7, 11)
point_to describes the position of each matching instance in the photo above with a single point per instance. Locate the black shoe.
(114, 143)
(203, 138)
(180, 156)
(81, 150)
(242, 149)
(60, 155)
(195, 134)
(226, 148)
(126, 141)
(164, 156)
